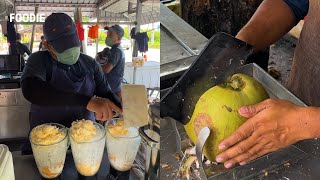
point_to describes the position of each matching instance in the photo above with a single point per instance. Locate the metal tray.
(298, 161)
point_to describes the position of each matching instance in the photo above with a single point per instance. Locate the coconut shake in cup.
(49, 144)
(87, 143)
(122, 144)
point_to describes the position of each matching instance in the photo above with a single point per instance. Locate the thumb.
(98, 116)
(251, 110)
(115, 108)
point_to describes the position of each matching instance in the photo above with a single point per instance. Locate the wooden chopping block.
(134, 105)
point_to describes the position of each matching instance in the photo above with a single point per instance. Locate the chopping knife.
(201, 140)
(221, 57)
(134, 105)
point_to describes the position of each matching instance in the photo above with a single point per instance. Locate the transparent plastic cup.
(122, 149)
(87, 156)
(50, 158)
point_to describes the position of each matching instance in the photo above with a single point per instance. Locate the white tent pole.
(135, 47)
(15, 23)
(97, 41)
(138, 22)
(152, 33)
(78, 18)
(33, 29)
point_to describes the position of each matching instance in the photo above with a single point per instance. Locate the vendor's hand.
(102, 108)
(272, 124)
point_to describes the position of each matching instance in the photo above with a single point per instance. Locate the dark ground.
(281, 57)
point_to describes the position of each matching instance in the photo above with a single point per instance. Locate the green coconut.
(218, 108)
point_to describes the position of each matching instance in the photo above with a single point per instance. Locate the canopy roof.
(106, 10)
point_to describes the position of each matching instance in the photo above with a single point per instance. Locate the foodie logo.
(26, 17)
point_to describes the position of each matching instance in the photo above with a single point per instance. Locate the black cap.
(116, 28)
(61, 32)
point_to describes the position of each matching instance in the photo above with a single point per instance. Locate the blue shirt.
(40, 65)
(299, 8)
(117, 59)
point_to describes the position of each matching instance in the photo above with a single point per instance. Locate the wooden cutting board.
(134, 105)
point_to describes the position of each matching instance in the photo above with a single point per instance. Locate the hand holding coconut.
(218, 107)
(272, 124)
(245, 124)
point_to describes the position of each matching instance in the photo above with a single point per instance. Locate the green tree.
(156, 39)
(102, 37)
(4, 39)
(85, 19)
(126, 33)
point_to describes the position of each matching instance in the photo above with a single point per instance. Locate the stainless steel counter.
(14, 114)
(25, 168)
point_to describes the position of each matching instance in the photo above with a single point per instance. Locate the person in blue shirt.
(112, 60)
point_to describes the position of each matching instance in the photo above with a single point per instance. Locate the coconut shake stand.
(205, 101)
(49, 142)
(94, 147)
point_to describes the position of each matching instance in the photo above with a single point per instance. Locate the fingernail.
(244, 110)
(222, 146)
(219, 159)
(228, 165)
(242, 163)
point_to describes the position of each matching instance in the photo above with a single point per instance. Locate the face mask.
(109, 42)
(69, 56)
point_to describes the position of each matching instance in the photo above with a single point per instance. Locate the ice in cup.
(49, 144)
(87, 143)
(122, 144)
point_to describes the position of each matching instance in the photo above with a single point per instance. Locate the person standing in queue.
(63, 84)
(22, 50)
(114, 67)
(43, 44)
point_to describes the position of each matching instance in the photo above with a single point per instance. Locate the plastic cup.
(122, 149)
(87, 156)
(50, 158)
